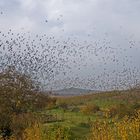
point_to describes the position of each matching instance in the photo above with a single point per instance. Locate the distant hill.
(72, 91)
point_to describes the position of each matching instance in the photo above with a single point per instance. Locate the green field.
(68, 111)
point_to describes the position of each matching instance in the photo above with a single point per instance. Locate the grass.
(78, 122)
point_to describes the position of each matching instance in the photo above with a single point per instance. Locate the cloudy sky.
(117, 21)
(79, 17)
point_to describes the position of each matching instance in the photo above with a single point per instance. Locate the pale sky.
(94, 21)
(79, 17)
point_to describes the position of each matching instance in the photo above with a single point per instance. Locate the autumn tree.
(19, 94)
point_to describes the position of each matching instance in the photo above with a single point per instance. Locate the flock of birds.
(57, 62)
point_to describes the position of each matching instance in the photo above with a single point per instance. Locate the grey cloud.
(78, 16)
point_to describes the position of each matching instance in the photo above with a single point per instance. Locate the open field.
(74, 114)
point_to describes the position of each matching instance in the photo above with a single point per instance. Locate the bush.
(124, 110)
(89, 109)
(75, 109)
(63, 106)
(51, 103)
(111, 112)
(120, 111)
(5, 125)
(136, 106)
(126, 129)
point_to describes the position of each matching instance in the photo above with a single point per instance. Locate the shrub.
(123, 110)
(5, 125)
(75, 109)
(89, 109)
(136, 106)
(119, 111)
(63, 106)
(126, 129)
(51, 103)
(111, 112)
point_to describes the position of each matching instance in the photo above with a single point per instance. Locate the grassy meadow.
(87, 117)
(103, 116)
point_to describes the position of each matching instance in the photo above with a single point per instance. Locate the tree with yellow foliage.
(18, 96)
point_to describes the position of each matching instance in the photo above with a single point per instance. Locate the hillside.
(72, 91)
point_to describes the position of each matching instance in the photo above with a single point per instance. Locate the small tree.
(18, 95)
(16, 90)
(90, 108)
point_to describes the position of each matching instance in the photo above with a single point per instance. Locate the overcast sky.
(115, 20)
(73, 16)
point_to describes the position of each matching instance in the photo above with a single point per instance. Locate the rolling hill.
(72, 91)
